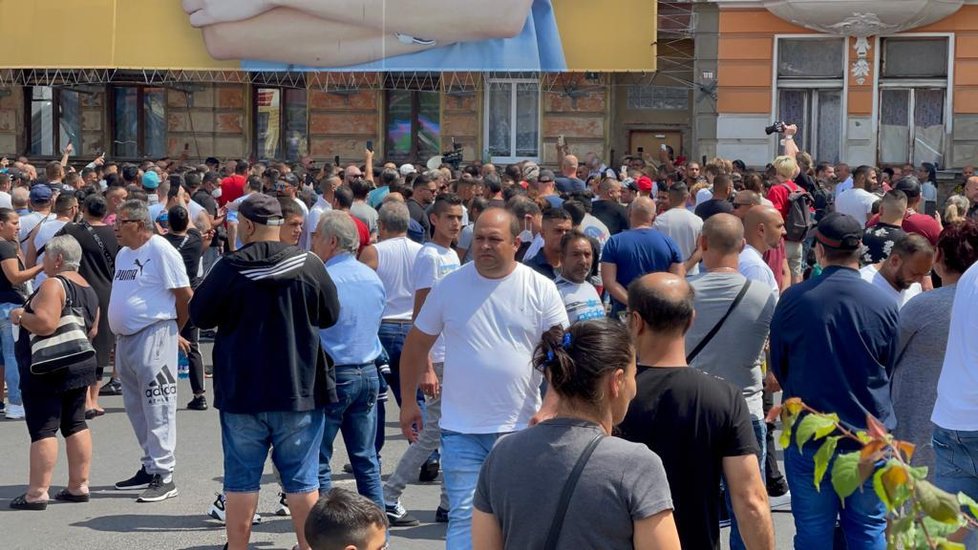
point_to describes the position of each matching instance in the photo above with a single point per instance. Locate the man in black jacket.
(272, 378)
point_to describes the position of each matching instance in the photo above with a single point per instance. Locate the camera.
(776, 128)
(453, 158)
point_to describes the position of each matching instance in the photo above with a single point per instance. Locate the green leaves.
(937, 504)
(891, 484)
(965, 500)
(845, 475)
(822, 458)
(815, 426)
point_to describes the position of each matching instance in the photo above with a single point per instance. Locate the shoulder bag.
(565, 495)
(101, 245)
(68, 344)
(716, 328)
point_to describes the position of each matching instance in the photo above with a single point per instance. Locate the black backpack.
(798, 222)
(824, 200)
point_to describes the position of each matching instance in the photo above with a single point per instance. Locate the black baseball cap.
(262, 209)
(839, 232)
(910, 187)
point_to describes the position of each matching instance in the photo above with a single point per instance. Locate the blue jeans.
(863, 519)
(294, 438)
(760, 432)
(11, 373)
(956, 466)
(462, 456)
(392, 336)
(355, 414)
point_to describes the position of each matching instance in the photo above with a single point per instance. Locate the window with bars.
(810, 80)
(512, 125)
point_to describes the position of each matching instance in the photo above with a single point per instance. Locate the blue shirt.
(833, 339)
(843, 186)
(536, 48)
(638, 252)
(353, 339)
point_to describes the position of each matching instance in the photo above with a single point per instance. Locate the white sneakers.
(14, 412)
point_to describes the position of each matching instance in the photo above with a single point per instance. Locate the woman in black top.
(56, 400)
(98, 249)
(13, 289)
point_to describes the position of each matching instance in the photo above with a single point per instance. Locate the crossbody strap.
(716, 328)
(565, 495)
(101, 245)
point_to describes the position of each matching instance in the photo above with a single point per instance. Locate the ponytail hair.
(576, 359)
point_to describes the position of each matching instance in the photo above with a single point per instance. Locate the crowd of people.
(586, 357)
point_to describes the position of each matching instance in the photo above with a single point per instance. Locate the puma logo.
(141, 265)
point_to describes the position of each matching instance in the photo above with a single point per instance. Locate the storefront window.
(513, 119)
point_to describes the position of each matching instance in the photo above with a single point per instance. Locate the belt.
(398, 321)
(355, 365)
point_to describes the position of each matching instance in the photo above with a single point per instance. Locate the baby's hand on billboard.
(210, 12)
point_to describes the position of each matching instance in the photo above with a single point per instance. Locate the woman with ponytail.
(567, 482)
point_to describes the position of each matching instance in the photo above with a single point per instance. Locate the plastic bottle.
(183, 366)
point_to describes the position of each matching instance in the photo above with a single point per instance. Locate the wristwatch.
(412, 40)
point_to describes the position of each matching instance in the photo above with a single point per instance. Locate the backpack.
(798, 221)
(824, 200)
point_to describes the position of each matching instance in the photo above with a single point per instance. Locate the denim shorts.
(294, 438)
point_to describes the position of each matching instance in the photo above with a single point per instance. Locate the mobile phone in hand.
(336, 160)
(641, 150)
(370, 145)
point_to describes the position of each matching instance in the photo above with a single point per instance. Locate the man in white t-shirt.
(147, 308)
(492, 313)
(41, 201)
(393, 259)
(763, 230)
(580, 298)
(900, 274)
(858, 201)
(681, 225)
(435, 260)
(65, 210)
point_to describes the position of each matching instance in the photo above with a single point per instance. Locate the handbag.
(565, 495)
(109, 259)
(68, 344)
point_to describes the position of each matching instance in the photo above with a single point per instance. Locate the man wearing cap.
(545, 187)
(914, 221)
(271, 380)
(41, 200)
(831, 339)
(147, 309)
(151, 183)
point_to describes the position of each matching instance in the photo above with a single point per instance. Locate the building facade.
(868, 82)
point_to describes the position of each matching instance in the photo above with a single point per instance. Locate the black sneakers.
(441, 515)
(158, 490)
(429, 471)
(112, 387)
(199, 403)
(139, 481)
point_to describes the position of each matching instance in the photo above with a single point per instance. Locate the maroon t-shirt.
(921, 224)
(775, 260)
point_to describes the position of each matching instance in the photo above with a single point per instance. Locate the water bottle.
(183, 365)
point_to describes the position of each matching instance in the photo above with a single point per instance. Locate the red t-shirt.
(921, 224)
(775, 260)
(778, 195)
(232, 187)
(364, 232)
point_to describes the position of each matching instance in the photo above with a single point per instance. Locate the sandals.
(21, 503)
(92, 413)
(65, 496)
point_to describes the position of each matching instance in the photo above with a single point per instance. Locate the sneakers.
(780, 500)
(217, 511)
(441, 515)
(139, 481)
(429, 471)
(348, 468)
(398, 516)
(112, 387)
(199, 403)
(283, 506)
(14, 411)
(158, 490)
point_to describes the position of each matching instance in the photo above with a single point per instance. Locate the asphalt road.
(113, 520)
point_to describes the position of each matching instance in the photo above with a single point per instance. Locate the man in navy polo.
(832, 339)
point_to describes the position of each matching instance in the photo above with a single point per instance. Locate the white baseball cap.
(407, 169)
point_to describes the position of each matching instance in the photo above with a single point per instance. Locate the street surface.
(113, 520)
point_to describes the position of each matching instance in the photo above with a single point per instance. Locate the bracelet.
(411, 40)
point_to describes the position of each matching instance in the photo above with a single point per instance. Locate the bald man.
(698, 425)
(636, 252)
(492, 313)
(971, 193)
(568, 182)
(763, 231)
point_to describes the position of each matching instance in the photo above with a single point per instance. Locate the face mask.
(526, 235)
(216, 193)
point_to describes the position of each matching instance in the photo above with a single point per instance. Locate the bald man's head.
(641, 212)
(764, 227)
(971, 189)
(664, 302)
(724, 234)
